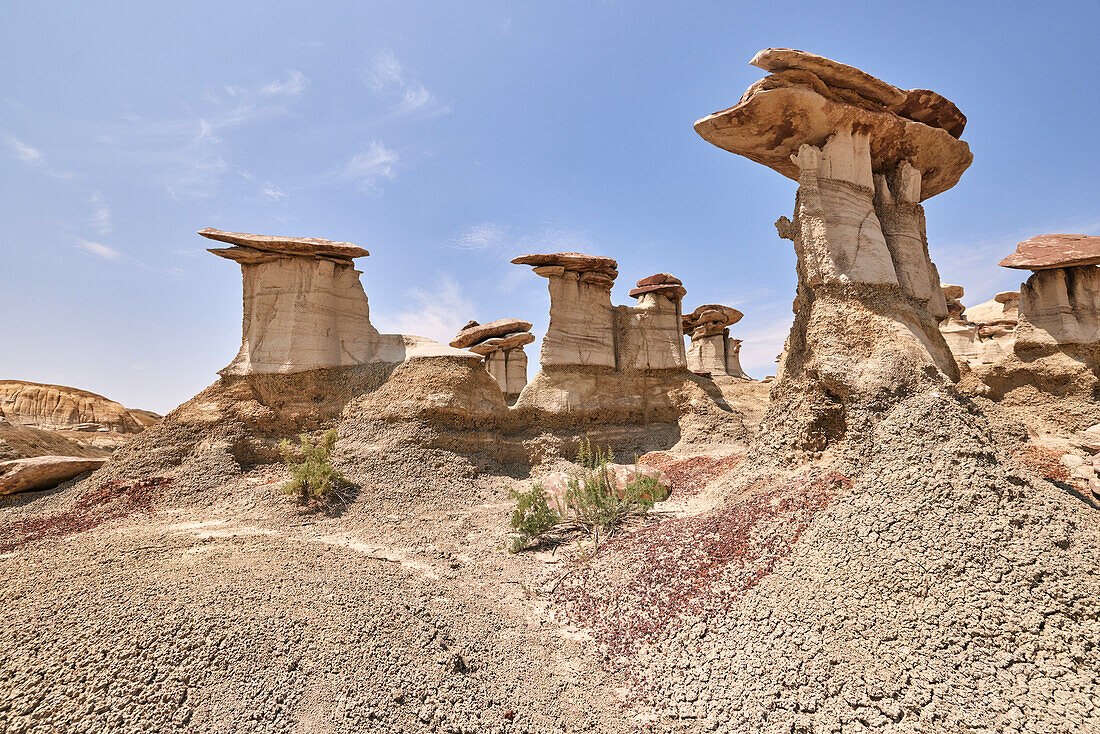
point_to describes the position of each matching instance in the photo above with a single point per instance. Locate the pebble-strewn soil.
(930, 579)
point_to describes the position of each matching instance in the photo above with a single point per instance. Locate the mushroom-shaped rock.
(709, 317)
(1009, 298)
(304, 308)
(475, 333)
(953, 291)
(865, 154)
(663, 283)
(811, 98)
(1049, 251)
(43, 472)
(1060, 302)
(503, 342)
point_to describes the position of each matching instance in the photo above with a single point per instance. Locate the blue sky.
(448, 137)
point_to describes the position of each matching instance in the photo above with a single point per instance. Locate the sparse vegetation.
(592, 502)
(312, 478)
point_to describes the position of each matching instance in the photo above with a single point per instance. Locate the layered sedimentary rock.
(712, 351)
(304, 308)
(649, 333)
(870, 302)
(501, 342)
(980, 335)
(581, 330)
(597, 357)
(1060, 302)
(56, 407)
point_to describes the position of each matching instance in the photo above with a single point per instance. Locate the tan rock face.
(1050, 251)
(649, 335)
(304, 308)
(56, 407)
(43, 472)
(1060, 307)
(501, 342)
(509, 368)
(716, 355)
(869, 298)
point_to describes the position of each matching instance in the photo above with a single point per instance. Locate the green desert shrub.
(312, 476)
(591, 502)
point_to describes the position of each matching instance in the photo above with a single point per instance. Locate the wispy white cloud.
(101, 214)
(21, 150)
(272, 193)
(99, 250)
(497, 239)
(437, 313)
(189, 155)
(388, 78)
(367, 168)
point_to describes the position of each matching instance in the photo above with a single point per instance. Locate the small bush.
(313, 478)
(591, 501)
(532, 517)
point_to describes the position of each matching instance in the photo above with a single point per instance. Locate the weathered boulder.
(43, 472)
(304, 308)
(780, 114)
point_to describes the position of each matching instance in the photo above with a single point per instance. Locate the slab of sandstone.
(1049, 251)
(505, 342)
(474, 333)
(663, 283)
(712, 318)
(43, 472)
(575, 261)
(778, 115)
(282, 245)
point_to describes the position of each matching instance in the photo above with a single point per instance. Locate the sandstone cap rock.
(796, 106)
(575, 261)
(474, 333)
(281, 245)
(1049, 251)
(663, 283)
(1007, 297)
(498, 343)
(710, 315)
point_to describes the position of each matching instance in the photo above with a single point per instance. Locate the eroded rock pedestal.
(304, 308)
(712, 352)
(1054, 358)
(865, 154)
(501, 342)
(982, 334)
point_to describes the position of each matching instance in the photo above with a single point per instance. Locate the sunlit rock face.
(650, 336)
(865, 154)
(304, 308)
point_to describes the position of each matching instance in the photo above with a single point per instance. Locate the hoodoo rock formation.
(501, 342)
(597, 357)
(982, 334)
(305, 309)
(865, 154)
(1050, 331)
(712, 351)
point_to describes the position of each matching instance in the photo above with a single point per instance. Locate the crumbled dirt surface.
(931, 577)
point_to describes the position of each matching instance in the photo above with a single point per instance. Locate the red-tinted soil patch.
(638, 585)
(690, 475)
(110, 501)
(1045, 462)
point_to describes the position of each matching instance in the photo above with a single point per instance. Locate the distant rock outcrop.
(712, 351)
(56, 407)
